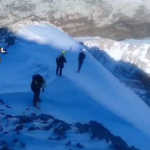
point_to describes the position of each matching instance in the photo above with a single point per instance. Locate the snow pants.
(80, 65)
(36, 96)
(59, 70)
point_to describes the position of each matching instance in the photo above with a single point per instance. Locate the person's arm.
(65, 60)
(43, 85)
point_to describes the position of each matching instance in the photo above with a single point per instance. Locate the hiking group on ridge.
(38, 83)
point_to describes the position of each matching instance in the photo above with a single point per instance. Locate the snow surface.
(94, 94)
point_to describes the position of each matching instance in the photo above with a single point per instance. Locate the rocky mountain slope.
(15, 132)
(104, 18)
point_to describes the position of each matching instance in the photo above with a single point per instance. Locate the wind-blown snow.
(94, 94)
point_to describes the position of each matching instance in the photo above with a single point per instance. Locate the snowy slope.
(94, 94)
(133, 51)
(128, 60)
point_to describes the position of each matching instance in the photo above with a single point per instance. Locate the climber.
(37, 83)
(81, 59)
(60, 60)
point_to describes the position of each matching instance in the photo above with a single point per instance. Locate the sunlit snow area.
(94, 97)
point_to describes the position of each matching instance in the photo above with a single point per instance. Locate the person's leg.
(57, 69)
(79, 66)
(36, 95)
(60, 71)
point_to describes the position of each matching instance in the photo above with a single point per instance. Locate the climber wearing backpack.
(60, 60)
(38, 83)
(81, 59)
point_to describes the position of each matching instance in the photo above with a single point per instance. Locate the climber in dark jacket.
(37, 83)
(81, 59)
(60, 60)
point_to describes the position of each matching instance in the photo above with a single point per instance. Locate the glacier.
(93, 94)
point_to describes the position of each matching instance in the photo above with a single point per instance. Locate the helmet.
(83, 50)
(63, 52)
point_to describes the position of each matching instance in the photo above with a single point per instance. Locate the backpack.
(38, 79)
(58, 58)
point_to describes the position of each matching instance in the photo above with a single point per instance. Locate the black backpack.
(58, 59)
(38, 78)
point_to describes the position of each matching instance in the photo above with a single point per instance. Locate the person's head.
(63, 52)
(83, 50)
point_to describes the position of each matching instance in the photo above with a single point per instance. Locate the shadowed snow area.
(128, 60)
(93, 94)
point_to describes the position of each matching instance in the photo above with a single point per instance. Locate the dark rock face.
(25, 119)
(99, 131)
(8, 116)
(79, 146)
(47, 128)
(119, 143)
(5, 148)
(19, 127)
(33, 128)
(43, 117)
(83, 128)
(2, 102)
(60, 129)
(117, 20)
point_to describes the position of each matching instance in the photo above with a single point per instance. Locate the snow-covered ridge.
(26, 22)
(99, 98)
